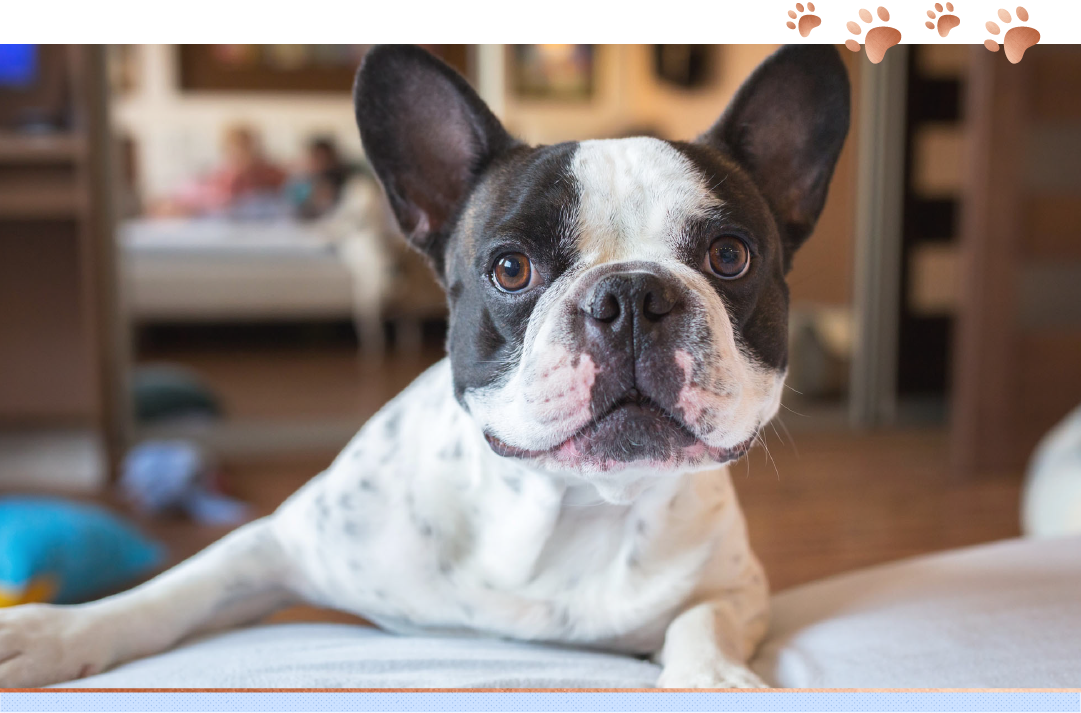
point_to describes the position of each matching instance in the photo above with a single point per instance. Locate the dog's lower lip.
(632, 401)
(719, 454)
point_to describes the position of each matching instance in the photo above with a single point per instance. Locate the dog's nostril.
(656, 304)
(604, 308)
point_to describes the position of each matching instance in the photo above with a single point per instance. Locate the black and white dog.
(618, 315)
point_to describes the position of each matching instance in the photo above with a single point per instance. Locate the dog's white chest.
(422, 535)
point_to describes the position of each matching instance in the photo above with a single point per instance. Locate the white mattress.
(216, 270)
(1001, 615)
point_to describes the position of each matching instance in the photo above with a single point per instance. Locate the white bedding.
(1000, 615)
(209, 270)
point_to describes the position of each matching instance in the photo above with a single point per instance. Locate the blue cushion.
(65, 552)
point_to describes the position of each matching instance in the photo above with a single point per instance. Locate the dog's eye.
(728, 257)
(512, 272)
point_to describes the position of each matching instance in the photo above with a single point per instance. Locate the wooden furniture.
(60, 361)
(1018, 345)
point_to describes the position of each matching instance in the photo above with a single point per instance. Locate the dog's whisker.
(791, 440)
(790, 409)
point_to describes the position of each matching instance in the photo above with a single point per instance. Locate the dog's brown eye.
(512, 272)
(728, 257)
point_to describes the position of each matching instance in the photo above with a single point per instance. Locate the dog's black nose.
(629, 298)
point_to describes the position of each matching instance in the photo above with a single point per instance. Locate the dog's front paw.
(42, 644)
(709, 674)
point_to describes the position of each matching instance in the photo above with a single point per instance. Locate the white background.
(428, 21)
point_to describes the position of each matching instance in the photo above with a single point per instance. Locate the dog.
(617, 335)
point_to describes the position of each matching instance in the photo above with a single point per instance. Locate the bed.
(1003, 615)
(220, 270)
(349, 265)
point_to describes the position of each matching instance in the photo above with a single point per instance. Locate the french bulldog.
(617, 337)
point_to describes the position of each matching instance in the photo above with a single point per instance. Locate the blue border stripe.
(989, 701)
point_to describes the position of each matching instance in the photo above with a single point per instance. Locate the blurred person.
(319, 186)
(246, 178)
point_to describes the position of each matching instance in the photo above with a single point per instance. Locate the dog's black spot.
(390, 426)
(454, 291)
(367, 485)
(322, 510)
(514, 483)
(451, 451)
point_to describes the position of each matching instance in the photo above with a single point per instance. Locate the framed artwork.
(286, 68)
(684, 66)
(558, 72)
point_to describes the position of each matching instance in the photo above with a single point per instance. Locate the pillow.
(1004, 615)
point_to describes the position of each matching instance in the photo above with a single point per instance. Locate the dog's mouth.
(634, 428)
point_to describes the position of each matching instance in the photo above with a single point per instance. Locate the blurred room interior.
(193, 251)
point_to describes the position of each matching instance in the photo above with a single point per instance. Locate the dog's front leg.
(236, 580)
(707, 646)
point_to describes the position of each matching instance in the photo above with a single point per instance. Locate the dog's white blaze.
(636, 196)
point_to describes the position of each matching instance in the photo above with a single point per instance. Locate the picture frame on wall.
(286, 68)
(554, 72)
(683, 66)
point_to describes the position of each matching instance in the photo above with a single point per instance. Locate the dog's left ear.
(427, 135)
(786, 126)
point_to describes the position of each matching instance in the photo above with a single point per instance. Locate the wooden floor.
(289, 384)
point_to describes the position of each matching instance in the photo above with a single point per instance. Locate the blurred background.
(203, 296)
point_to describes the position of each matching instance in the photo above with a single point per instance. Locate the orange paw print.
(807, 22)
(878, 39)
(1017, 39)
(945, 22)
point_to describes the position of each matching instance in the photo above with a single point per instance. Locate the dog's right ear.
(427, 135)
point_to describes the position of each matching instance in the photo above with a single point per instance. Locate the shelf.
(23, 205)
(48, 148)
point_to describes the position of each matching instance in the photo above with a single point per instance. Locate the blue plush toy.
(52, 550)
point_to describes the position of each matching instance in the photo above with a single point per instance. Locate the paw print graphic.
(806, 22)
(878, 39)
(1017, 39)
(945, 22)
